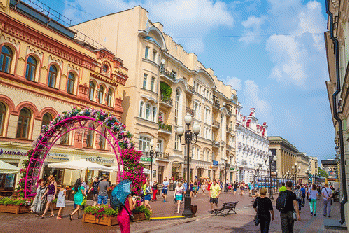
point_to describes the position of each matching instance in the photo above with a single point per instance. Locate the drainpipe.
(335, 114)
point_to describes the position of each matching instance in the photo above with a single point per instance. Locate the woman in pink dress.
(124, 214)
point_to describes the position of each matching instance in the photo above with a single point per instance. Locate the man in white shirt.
(326, 193)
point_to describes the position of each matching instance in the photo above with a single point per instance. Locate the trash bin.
(194, 209)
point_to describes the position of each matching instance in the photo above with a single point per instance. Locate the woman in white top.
(179, 195)
(312, 199)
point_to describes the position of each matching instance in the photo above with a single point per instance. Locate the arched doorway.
(106, 125)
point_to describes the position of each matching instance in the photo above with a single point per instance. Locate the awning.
(6, 168)
(80, 164)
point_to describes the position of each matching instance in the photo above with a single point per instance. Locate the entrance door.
(161, 170)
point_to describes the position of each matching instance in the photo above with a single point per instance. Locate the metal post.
(187, 200)
(151, 166)
(270, 183)
(225, 177)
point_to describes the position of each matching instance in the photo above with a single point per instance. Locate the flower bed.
(103, 215)
(141, 213)
(15, 205)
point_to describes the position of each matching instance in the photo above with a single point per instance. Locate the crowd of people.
(294, 198)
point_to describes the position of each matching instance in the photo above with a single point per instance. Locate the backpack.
(281, 201)
(115, 203)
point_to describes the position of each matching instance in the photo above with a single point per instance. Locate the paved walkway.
(203, 222)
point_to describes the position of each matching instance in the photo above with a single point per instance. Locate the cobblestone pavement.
(203, 222)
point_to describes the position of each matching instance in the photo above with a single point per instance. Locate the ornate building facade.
(165, 84)
(44, 72)
(251, 147)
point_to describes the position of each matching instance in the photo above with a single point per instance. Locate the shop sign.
(215, 162)
(13, 152)
(58, 156)
(232, 169)
(100, 160)
(145, 159)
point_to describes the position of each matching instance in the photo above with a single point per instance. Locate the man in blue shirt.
(303, 194)
(165, 185)
(185, 186)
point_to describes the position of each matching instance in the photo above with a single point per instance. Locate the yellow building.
(44, 71)
(165, 84)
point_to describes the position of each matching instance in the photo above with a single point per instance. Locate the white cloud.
(234, 82)
(185, 19)
(298, 55)
(252, 99)
(252, 29)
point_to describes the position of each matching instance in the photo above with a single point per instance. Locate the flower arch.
(102, 123)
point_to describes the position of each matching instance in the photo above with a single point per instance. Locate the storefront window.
(58, 174)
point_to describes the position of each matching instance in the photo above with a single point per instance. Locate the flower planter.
(14, 209)
(106, 220)
(139, 217)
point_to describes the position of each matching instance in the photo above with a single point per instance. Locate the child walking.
(61, 201)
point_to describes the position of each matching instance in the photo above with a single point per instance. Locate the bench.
(230, 206)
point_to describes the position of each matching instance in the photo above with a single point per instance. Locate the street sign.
(144, 159)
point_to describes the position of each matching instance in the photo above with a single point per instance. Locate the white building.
(251, 147)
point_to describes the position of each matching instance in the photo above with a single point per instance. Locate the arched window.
(105, 68)
(89, 137)
(141, 106)
(178, 95)
(23, 123)
(110, 97)
(100, 94)
(31, 68)
(70, 83)
(52, 76)
(46, 119)
(2, 117)
(92, 91)
(5, 59)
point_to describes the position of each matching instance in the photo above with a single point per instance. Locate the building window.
(100, 94)
(145, 81)
(23, 123)
(102, 142)
(161, 145)
(141, 106)
(90, 137)
(105, 68)
(177, 106)
(92, 91)
(155, 56)
(65, 137)
(2, 117)
(154, 114)
(110, 97)
(177, 143)
(31, 68)
(144, 143)
(146, 52)
(6, 59)
(52, 75)
(70, 83)
(147, 111)
(152, 84)
(46, 119)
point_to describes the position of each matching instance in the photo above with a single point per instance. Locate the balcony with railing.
(167, 101)
(163, 155)
(165, 128)
(215, 143)
(170, 75)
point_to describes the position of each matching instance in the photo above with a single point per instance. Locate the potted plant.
(102, 215)
(141, 213)
(15, 205)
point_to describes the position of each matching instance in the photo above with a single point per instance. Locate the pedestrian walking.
(147, 195)
(235, 187)
(282, 188)
(39, 201)
(60, 201)
(50, 193)
(303, 194)
(242, 188)
(103, 192)
(124, 214)
(179, 195)
(79, 192)
(94, 190)
(155, 189)
(165, 185)
(312, 193)
(264, 208)
(299, 197)
(288, 206)
(203, 186)
(191, 188)
(215, 191)
(327, 200)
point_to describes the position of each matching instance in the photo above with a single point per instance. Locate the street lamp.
(189, 137)
(152, 153)
(270, 159)
(226, 165)
(296, 170)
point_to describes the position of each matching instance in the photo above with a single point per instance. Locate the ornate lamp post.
(226, 165)
(189, 137)
(296, 170)
(152, 153)
(270, 159)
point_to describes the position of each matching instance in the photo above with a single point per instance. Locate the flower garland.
(133, 170)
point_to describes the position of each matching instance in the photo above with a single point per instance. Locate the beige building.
(166, 83)
(337, 50)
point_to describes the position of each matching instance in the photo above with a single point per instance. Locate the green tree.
(322, 173)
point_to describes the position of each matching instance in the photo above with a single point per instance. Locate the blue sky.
(271, 51)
